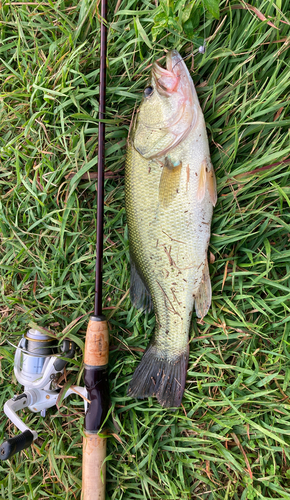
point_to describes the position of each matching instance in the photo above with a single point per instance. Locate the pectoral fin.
(139, 293)
(203, 297)
(169, 182)
(207, 181)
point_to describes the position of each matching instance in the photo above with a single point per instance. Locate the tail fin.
(160, 377)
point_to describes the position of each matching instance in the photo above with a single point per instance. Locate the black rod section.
(101, 158)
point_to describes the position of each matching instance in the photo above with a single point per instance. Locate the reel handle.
(14, 445)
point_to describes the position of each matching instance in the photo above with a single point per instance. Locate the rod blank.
(101, 160)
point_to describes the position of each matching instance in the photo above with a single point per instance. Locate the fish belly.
(169, 231)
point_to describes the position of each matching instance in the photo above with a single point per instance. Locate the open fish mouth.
(166, 81)
(174, 78)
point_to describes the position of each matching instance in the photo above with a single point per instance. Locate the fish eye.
(148, 91)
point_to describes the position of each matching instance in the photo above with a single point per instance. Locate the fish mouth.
(165, 80)
(174, 77)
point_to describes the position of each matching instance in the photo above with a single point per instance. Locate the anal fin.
(139, 294)
(203, 297)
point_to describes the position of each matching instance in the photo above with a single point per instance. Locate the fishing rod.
(39, 362)
(97, 338)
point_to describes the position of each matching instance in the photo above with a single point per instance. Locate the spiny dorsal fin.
(169, 182)
(207, 181)
(211, 185)
(202, 181)
(139, 294)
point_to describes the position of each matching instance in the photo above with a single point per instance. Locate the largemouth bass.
(170, 193)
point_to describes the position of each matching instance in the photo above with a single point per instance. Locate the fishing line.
(202, 48)
(182, 59)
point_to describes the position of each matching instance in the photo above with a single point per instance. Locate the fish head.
(169, 109)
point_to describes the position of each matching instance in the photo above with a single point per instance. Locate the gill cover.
(169, 111)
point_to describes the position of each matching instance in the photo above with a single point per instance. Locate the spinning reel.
(37, 365)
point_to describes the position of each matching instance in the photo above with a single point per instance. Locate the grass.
(231, 437)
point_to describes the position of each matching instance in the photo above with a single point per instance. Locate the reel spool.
(32, 352)
(37, 365)
(36, 362)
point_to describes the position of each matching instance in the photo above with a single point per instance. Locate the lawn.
(231, 437)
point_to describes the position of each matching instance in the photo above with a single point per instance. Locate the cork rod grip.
(97, 343)
(94, 454)
(96, 381)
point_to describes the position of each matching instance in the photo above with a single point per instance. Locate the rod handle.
(97, 342)
(96, 373)
(15, 444)
(94, 454)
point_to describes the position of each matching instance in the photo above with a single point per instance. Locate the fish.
(170, 192)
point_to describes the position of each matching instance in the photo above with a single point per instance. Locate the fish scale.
(169, 204)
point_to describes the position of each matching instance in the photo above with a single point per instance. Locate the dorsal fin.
(202, 181)
(203, 296)
(207, 181)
